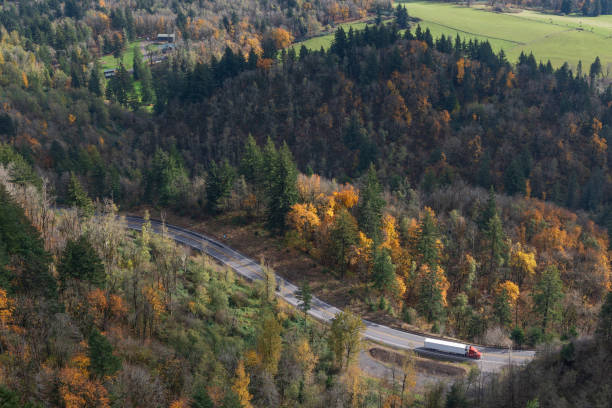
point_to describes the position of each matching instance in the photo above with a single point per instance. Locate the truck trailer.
(452, 348)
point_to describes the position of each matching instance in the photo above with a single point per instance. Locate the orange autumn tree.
(347, 196)
(77, 390)
(280, 37)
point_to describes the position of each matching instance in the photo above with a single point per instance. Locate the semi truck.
(452, 348)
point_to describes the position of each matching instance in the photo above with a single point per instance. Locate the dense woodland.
(450, 188)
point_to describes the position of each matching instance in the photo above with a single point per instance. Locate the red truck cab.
(474, 353)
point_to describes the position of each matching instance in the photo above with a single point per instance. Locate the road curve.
(492, 359)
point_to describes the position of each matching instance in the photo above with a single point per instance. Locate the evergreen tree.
(80, 260)
(251, 164)
(338, 46)
(431, 298)
(78, 197)
(282, 193)
(547, 296)
(502, 308)
(121, 86)
(383, 271)
(566, 6)
(24, 263)
(595, 70)
(304, 295)
(146, 85)
(10, 399)
(100, 352)
(95, 81)
(427, 240)
(218, 185)
(514, 178)
(343, 236)
(497, 247)
(371, 204)
(139, 65)
(489, 211)
(401, 16)
(456, 397)
(200, 399)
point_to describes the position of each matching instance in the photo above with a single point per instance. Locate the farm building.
(165, 37)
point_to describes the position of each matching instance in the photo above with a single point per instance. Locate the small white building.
(166, 38)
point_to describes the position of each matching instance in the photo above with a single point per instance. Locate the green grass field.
(325, 41)
(558, 38)
(109, 62)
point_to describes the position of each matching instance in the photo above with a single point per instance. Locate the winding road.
(492, 360)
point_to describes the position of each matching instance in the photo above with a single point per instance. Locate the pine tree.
(81, 261)
(102, 360)
(251, 164)
(514, 178)
(78, 197)
(138, 63)
(371, 204)
(401, 16)
(547, 296)
(595, 70)
(201, 399)
(20, 242)
(427, 240)
(282, 193)
(218, 185)
(566, 6)
(498, 249)
(489, 211)
(343, 236)
(95, 83)
(383, 271)
(304, 295)
(432, 285)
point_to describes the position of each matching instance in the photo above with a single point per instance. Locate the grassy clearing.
(561, 39)
(110, 62)
(558, 38)
(325, 41)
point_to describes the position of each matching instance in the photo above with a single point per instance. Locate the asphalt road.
(492, 359)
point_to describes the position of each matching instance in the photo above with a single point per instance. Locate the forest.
(443, 186)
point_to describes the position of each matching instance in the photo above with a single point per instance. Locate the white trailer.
(452, 348)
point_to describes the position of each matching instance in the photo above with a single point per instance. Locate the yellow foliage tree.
(348, 196)
(389, 232)
(306, 358)
(361, 257)
(523, 263)
(241, 386)
(76, 390)
(511, 291)
(304, 219)
(281, 37)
